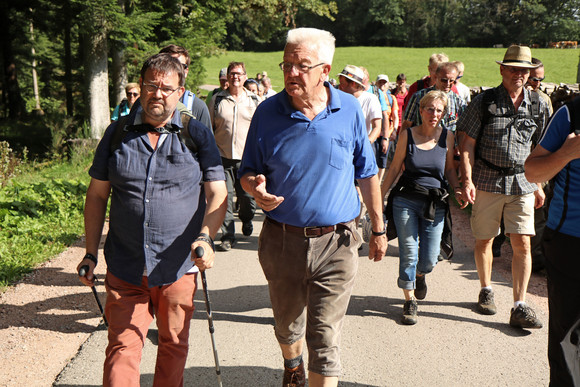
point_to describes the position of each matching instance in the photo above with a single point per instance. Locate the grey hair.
(320, 41)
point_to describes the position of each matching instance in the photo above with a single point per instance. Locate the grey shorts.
(310, 282)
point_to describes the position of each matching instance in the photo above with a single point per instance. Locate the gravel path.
(50, 329)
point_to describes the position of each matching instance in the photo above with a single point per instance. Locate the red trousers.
(130, 310)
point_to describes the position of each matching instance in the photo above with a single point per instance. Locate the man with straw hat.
(501, 125)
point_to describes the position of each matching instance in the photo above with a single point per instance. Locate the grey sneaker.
(486, 305)
(420, 287)
(409, 312)
(524, 317)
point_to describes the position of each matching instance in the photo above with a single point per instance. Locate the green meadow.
(480, 66)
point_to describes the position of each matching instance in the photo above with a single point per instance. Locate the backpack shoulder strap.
(120, 132)
(218, 98)
(184, 135)
(420, 84)
(489, 97)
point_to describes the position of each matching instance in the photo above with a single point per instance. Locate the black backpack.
(184, 136)
(489, 98)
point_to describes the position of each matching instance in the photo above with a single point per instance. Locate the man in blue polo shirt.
(304, 148)
(558, 154)
(165, 202)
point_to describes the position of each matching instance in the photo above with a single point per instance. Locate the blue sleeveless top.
(426, 167)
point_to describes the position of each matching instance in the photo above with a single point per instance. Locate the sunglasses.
(536, 79)
(445, 80)
(132, 94)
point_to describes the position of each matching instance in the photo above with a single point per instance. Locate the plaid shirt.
(506, 141)
(455, 106)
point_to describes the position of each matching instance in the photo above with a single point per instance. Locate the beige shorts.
(517, 212)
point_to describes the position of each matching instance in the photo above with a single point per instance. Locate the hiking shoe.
(486, 305)
(226, 245)
(524, 317)
(409, 312)
(247, 228)
(295, 377)
(420, 287)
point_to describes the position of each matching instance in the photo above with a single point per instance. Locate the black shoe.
(524, 317)
(226, 245)
(420, 287)
(295, 377)
(409, 312)
(486, 304)
(247, 228)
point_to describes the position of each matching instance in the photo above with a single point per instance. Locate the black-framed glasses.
(302, 68)
(235, 74)
(132, 94)
(536, 79)
(165, 91)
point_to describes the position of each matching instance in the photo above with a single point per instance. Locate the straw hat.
(353, 73)
(518, 56)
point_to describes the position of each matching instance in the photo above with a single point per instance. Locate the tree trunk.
(10, 87)
(119, 70)
(37, 108)
(95, 59)
(68, 79)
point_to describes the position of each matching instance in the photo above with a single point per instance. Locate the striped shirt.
(455, 107)
(506, 141)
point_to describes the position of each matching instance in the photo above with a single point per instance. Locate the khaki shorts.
(517, 212)
(310, 282)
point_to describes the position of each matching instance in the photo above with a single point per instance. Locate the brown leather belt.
(308, 232)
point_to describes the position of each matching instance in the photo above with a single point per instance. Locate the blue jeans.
(419, 239)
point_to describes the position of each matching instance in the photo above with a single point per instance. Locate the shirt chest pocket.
(340, 154)
(524, 130)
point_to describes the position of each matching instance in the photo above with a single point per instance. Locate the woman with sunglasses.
(132, 90)
(418, 203)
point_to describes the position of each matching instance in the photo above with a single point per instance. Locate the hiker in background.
(419, 202)
(390, 121)
(132, 91)
(231, 111)
(161, 210)
(223, 79)
(499, 128)
(537, 75)
(195, 105)
(427, 81)
(268, 91)
(252, 85)
(558, 157)
(462, 89)
(308, 245)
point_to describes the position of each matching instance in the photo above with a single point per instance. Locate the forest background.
(65, 64)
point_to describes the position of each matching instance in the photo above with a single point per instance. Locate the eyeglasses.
(517, 69)
(165, 91)
(185, 66)
(233, 74)
(301, 68)
(536, 79)
(132, 94)
(445, 80)
(432, 110)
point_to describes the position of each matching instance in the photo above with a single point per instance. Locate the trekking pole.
(199, 253)
(82, 272)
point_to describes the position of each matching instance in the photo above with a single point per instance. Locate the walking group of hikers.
(172, 166)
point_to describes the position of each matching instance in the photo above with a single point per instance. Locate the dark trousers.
(563, 268)
(245, 200)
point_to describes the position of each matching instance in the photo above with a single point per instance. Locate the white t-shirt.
(371, 108)
(464, 91)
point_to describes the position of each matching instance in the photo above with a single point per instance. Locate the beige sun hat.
(382, 77)
(353, 73)
(518, 56)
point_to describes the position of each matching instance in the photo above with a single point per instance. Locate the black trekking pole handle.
(83, 272)
(199, 252)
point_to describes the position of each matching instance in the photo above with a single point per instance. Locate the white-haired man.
(308, 144)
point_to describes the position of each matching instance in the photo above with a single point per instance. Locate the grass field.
(480, 67)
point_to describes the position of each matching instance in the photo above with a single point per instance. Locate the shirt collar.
(287, 109)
